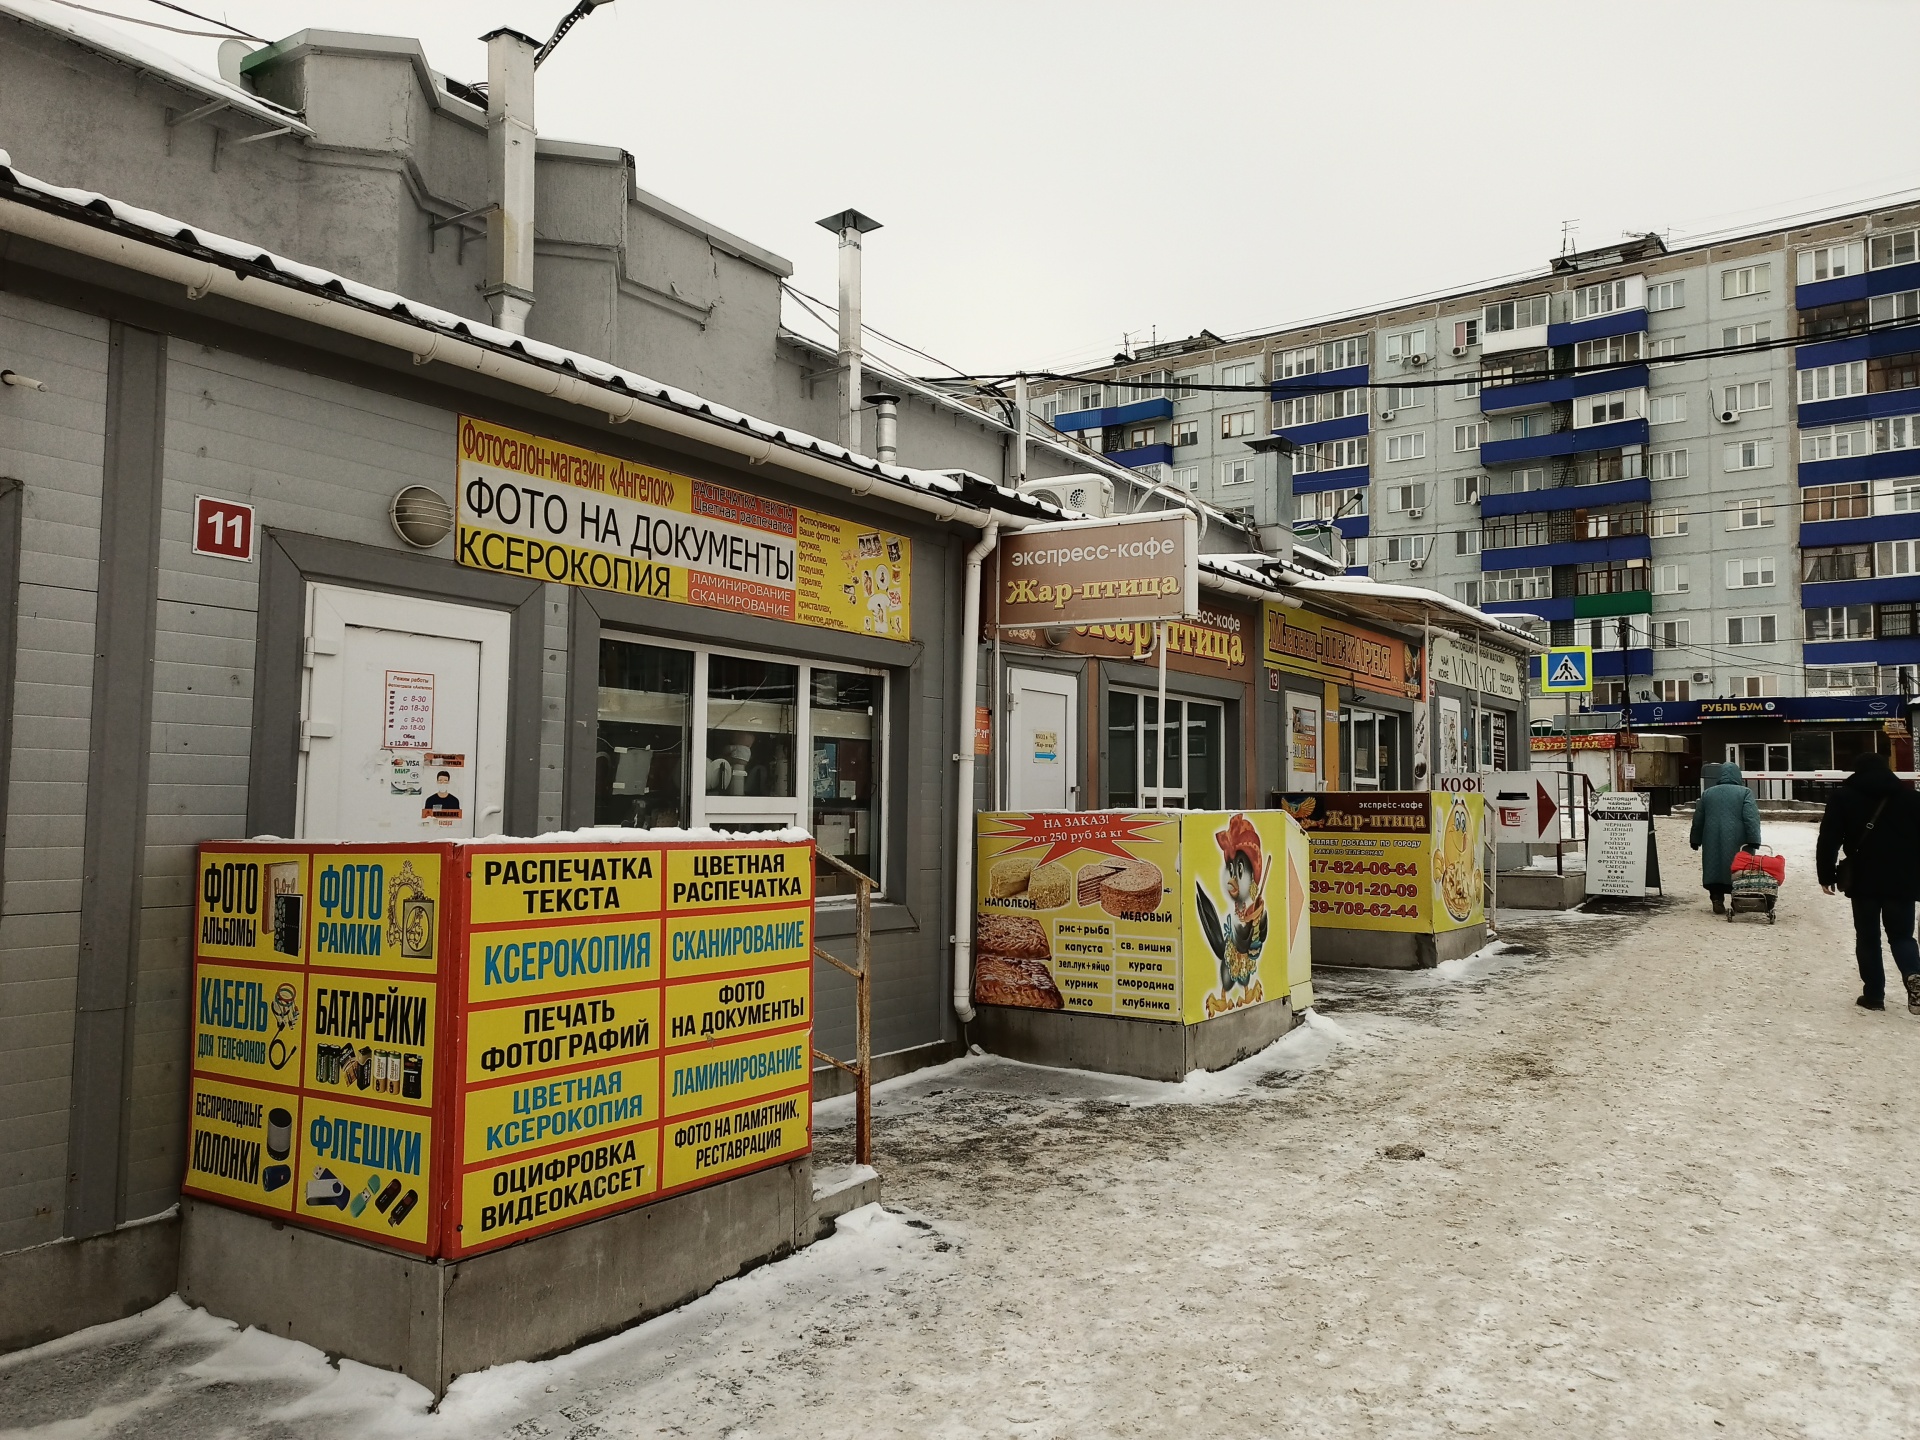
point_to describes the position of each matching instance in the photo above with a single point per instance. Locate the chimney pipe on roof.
(886, 426)
(510, 145)
(850, 225)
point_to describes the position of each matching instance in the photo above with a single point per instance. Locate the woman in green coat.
(1724, 819)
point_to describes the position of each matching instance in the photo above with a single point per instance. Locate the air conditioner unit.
(1727, 417)
(1414, 512)
(1416, 359)
(1458, 351)
(1416, 562)
(1091, 494)
(1386, 414)
(1701, 677)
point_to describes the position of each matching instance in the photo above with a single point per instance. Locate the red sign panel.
(223, 528)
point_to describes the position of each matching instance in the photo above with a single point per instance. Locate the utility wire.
(228, 34)
(803, 297)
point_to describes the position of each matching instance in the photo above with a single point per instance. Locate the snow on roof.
(244, 258)
(116, 44)
(1411, 602)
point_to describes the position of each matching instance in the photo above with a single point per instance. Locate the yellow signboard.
(549, 511)
(1235, 946)
(377, 910)
(526, 1115)
(374, 1038)
(366, 1169)
(524, 961)
(741, 1138)
(707, 1076)
(240, 1142)
(738, 877)
(749, 1004)
(1304, 642)
(555, 884)
(698, 944)
(520, 1197)
(556, 1032)
(247, 1022)
(251, 905)
(1396, 861)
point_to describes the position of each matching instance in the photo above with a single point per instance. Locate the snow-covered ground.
(1665, 1186)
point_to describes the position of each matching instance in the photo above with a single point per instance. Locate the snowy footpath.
(1651, 1174)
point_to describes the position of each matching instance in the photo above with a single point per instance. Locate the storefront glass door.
(1175, 766)
(1372, 739)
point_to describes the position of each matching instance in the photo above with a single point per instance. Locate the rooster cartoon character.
(1238, 941)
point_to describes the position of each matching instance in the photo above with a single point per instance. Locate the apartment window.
(1613, 577)
(1752, 687)
(1667, 464)
(1894, 248)
(1749, 572)
(1306, 459)
(1241, 372)
(1896, 557)
(1748, 455)
(1338, 404)
(1151, 385)
(1735, 336)
(1411, 446)
(1841, 680)
(1670, 580)
(1396, 548)
(1469, 437)
(1141, 436)
(1839, 622)
(1521, 427)
(1751, 630)
(1836, 502)
(1666, 347)
(1466, 542)
(1607, 409)
(1344, 354)
(1899, 432)
(1836, 562)
(1297, 410)
(1340, 454)
(1466, 333)
(1667, 295)
(1534, 583)
(1236, 472)
(1083, 397)
(1740, 280)
(1753, 514)
(1185, 383)
(1407, 497)
(1846, 317)
(1672, 634)
(1356, 548)
(1609, 350)
(1832, 442)
(1511, 315)
(1829, 262)
(1673, 690)
(1398, 397)
(1186, 477)
(1467, 389)
(1900, 497)
(1889, 309)
(1892, 372)
(1466, 489)
(1186, 432)
(1467, 592)
(1602, 299)
(1666, 409)
(1899, 620)
(1049, 407)
(1833, 382)
(1405, 344)
(1516, 482)
(1754, 395)
(1668, 523)
(1236, 424)
(1304, 361)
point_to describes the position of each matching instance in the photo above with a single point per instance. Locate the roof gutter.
(202, 278)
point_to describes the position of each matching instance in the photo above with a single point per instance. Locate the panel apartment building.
(1704, 462)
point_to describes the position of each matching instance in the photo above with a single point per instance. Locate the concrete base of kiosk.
(1395, 950)
(1115, 1045)
(434, 1320)
(1542, 889)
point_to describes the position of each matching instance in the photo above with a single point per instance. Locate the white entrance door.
(1043, 762)
(403, 717)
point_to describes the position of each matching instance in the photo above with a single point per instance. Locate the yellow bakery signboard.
(548, 511)
(1393, 860)
(1139, 914)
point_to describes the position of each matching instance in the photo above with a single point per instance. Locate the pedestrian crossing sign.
(1567, 671)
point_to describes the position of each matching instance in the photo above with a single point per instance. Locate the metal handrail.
(862, 1068)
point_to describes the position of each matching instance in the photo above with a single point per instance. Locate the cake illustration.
(1091, 877)
(1134, 888)
(1008, 876)
(1050, 886)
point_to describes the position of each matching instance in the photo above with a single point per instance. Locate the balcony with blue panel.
(1354, 527)
(1558, 608)
(1112, 415)
(1313, 482)
(1865, 531)
(1599, 327)
(1895, 341)
(1890, 281)
(1316, 384)
(1577, 441)
(1815, 413)
(1568, 552)
(1902, 651)
(1616, 663)
(1881, 590)
(1887, 465)
(1142, 455)
(1568, 497)
(1345, 428)
(1497, 399)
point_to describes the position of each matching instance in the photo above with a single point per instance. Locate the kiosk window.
(1190, 749)
(845, 782)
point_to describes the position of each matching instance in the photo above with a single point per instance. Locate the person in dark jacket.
(1876, 819)
(1725, 819)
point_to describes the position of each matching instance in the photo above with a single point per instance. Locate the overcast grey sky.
(1051, 175)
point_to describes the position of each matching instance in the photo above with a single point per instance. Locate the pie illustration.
(1016, 935)
(1015, 980)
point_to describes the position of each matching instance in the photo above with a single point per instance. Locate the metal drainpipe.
(963, 855)
(510, 145)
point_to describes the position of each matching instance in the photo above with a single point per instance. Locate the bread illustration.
(1017, 935)
(1008, 876)
(1133, 889)
(1050, 886)
(1014, 980)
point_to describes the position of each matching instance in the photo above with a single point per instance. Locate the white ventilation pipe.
(510, 146)
(886, 426)
(963, 831)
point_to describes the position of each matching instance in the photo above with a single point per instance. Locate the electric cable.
(230, 33)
